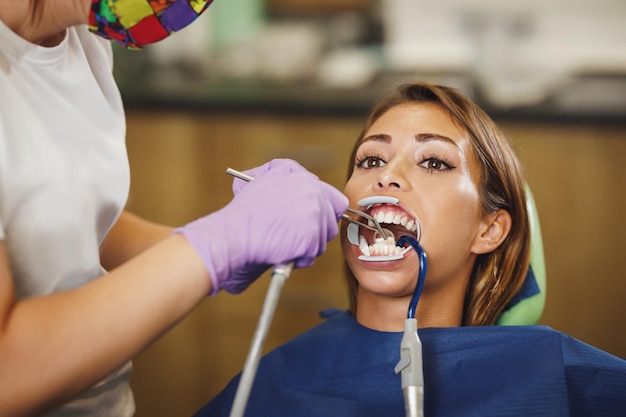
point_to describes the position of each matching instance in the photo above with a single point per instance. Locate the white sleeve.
(3, 140)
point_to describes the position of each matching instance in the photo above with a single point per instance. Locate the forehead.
(414, 118)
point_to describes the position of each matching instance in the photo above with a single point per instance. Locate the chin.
(385, 283)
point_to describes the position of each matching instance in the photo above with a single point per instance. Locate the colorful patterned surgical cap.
(135, 23)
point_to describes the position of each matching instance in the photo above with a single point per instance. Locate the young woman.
(431, 165)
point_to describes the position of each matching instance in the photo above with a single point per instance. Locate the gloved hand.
(273, 220)
(273, 167)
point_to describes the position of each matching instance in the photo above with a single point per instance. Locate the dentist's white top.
(64, 175)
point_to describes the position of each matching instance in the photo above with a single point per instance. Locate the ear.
(494, 229)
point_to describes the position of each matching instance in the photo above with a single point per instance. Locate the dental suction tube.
(411, 366)
(280, 273)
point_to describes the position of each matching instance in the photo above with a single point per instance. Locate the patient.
(432, 165)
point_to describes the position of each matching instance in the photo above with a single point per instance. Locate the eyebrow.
(426, 137)
(420, 137)
(380, 137)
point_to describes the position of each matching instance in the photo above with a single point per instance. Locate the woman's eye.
(434, 164)
(371, 162)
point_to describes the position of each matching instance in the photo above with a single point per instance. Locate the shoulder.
(548, 369)
(96, 48)
(519, 341)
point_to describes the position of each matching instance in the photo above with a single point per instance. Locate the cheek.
(453, 220)
(463, 200)
(469, 205)
(350, 188)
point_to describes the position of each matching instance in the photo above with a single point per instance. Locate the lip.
(365, 242)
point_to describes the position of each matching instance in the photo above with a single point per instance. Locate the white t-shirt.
(64, 175)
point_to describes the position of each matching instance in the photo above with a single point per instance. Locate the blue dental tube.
(411, 366)
(419, 286)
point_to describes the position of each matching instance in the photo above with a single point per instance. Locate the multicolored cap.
(135, 23)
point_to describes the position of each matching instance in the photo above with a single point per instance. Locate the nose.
(392, 177)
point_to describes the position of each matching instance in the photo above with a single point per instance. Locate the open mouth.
(394, 221)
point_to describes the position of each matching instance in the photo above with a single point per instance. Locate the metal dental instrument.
(410, 366)
(376, 227)
(239, 174)
(280, 273)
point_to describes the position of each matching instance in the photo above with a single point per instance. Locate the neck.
(43, 22)
(443, 308)
(381, 313)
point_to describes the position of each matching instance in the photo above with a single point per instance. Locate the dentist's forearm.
(53, 347)
(130, 236)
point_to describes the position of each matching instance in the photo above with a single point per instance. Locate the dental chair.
(527, 306)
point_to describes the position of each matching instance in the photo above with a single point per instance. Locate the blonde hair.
(497, 276)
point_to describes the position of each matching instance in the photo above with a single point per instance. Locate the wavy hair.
(496, 276)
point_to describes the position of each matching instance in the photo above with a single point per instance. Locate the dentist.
(85, 285)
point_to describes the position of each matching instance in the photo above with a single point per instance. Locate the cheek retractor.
(383, 246)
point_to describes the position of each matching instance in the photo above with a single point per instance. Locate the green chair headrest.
(528, 310)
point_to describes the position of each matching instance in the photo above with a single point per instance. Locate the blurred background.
(253, 80)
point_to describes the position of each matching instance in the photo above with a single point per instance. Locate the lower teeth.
(380, 247)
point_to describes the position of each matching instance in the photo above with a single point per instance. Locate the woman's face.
(417, 154)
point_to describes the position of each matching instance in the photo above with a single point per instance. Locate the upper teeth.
(390, 218)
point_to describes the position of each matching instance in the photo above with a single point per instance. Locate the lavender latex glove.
(273, 220)
(271, 168)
